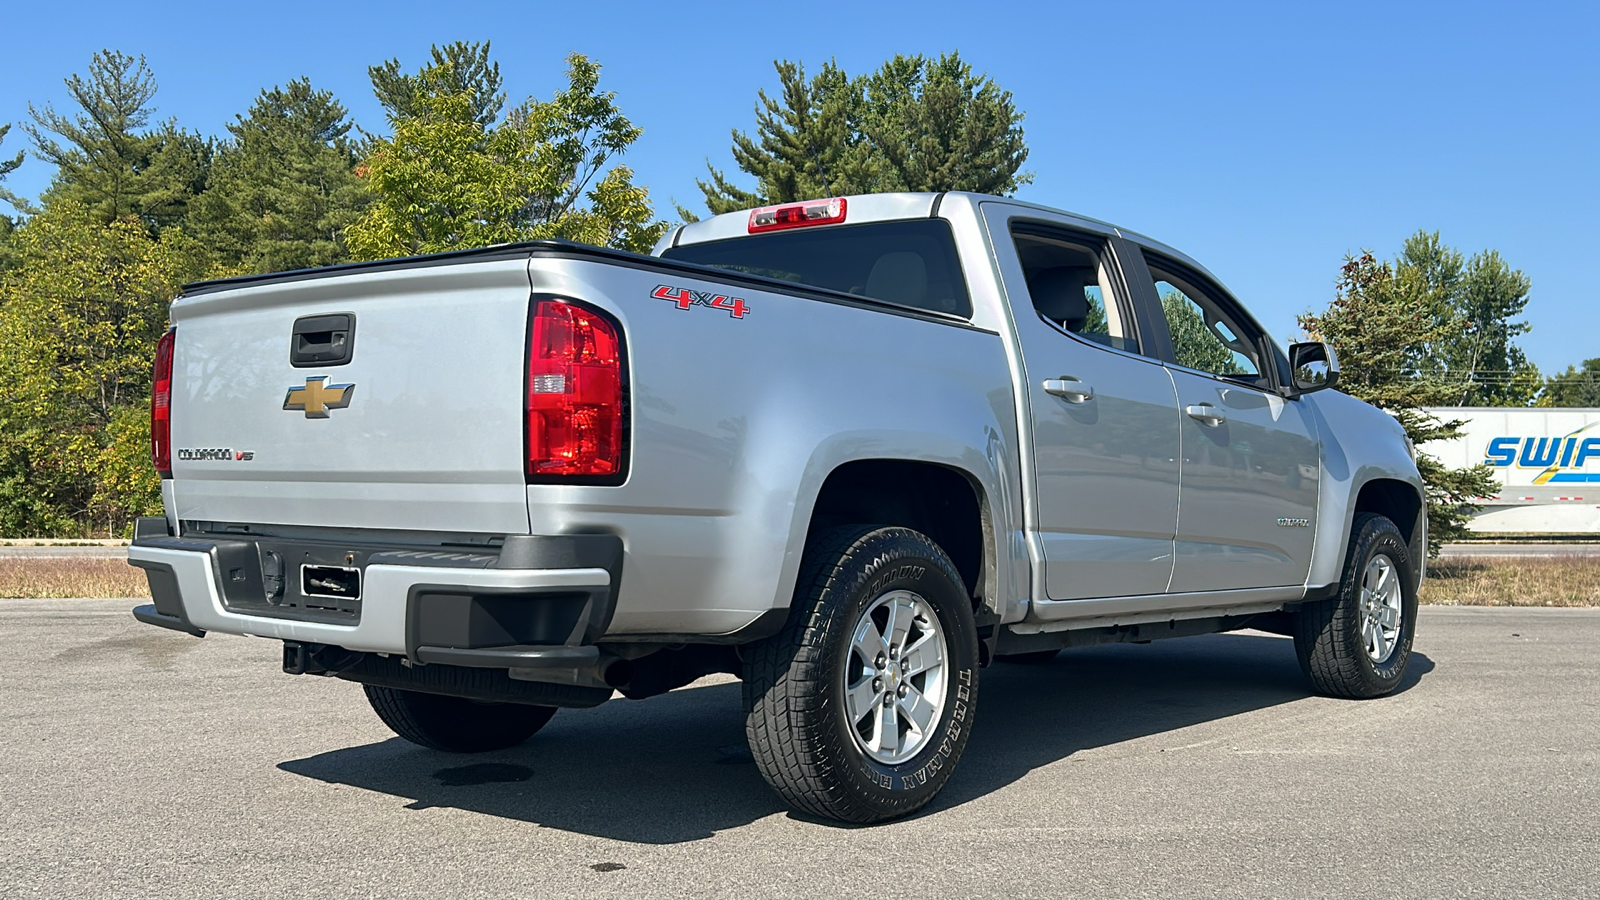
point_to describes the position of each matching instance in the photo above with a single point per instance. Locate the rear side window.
(909, 263)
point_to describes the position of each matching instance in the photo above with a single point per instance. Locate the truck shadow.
(674, 768)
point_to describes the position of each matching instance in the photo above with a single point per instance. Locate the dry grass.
(29, 579)
(1500, 581)
(1455, 581)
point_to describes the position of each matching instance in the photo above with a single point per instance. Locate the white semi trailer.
(1547, 461)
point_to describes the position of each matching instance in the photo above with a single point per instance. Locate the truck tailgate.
(421, 429)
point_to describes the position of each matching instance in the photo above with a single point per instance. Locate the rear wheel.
(455, 724)
(1357, 643)
(859, 708)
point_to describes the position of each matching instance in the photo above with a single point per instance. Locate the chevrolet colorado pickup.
(850, 451)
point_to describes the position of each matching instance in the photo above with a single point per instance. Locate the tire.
(813, 714)
(455, 724)
(1031, 658)
(1357, 643)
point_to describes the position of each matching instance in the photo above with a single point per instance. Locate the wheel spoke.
(1390, 616)
(922, 656)
(901, 617)
(868, 641)
(862, 700)
(918, 711)
(887, 734)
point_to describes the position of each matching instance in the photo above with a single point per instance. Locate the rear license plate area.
(331, 583)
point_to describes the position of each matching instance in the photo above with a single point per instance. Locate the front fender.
(1360, 444)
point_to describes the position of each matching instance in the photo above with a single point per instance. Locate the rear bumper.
(537, 601)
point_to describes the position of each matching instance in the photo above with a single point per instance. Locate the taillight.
(797, 215)
(574, 424)
(161, 406)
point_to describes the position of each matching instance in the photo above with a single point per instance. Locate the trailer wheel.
(860, 707)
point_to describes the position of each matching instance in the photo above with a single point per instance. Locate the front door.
(1248, 496)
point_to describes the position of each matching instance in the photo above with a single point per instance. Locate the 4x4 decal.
(686, 298)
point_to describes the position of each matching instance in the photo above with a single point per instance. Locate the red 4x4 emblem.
(686, 298)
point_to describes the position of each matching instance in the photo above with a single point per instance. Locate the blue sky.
(1266, 140)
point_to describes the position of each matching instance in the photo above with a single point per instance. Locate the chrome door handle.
(1071, 388)
(1206, 414)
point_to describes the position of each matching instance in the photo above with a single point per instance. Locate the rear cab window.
(909, 263)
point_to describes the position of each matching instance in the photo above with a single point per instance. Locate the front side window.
(1206, 334)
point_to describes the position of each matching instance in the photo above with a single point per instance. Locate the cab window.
(1069, 285)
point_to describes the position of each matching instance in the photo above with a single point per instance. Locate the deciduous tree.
(446, 181)
(1479, 297)
(79, 319)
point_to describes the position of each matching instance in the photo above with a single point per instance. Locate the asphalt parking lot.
(139, 763)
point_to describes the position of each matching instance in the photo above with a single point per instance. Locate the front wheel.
(455, 724)
(859, 708)
(1357, 644)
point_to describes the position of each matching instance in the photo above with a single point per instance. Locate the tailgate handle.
(325, 340)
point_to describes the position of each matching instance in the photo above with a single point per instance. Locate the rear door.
(1103, 417)
(1248, 505)
(418, 426)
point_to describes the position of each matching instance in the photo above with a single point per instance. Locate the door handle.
(1206, 414)
(1071, 388)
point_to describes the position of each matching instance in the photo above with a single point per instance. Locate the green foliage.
(106, 160)
(7, 223)
(458, 68)
(446, 181)
(1574, 387)
(1478, 299)
(916, 124)
(79, 320)
(1192, 343)
(1385, 322)
(283, 189)
(7, 166)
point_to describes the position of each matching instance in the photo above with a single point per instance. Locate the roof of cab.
(901, 205)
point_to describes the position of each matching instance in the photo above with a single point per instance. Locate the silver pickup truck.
(851, 451)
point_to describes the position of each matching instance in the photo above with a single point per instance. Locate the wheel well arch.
(944, 503)
(1396, 500)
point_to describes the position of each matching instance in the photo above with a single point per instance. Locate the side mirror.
(1314, 366)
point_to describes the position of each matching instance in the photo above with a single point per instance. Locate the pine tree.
(1385, 323)
(283, 187)
(107, 160)
(457, 68)
(916, 124)
(1574, 387)
(7, 166)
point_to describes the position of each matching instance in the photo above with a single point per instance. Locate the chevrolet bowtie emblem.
(317, 397)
